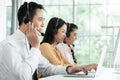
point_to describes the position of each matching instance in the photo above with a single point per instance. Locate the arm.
(89, 67)
(47, 69)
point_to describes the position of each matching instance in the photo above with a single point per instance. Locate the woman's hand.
(91, 66)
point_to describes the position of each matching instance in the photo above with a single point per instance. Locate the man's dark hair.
(23, 11)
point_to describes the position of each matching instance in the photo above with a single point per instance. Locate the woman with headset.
(55, 34)
(67, 47)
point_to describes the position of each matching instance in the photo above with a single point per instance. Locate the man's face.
(38, 20)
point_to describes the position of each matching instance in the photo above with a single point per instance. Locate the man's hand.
(75, 69)
(32, 35)
(91, 66)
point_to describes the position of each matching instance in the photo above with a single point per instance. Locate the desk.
(61, 77)
(107, 74)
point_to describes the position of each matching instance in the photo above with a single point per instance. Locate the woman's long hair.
(52, 28)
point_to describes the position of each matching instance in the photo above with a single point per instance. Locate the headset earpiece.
(67, 34)
(55, 30)
(68, 30)
(27, 19)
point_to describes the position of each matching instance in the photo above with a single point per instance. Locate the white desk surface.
(107, 74)
(61, 77)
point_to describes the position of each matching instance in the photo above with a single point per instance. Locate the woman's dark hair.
(52, 28)
(27, 8)
(70, 28)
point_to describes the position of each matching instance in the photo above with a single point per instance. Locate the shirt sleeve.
(47, 69)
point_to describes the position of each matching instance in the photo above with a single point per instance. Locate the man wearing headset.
(17, 60)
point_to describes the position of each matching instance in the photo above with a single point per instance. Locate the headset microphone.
(42, 34)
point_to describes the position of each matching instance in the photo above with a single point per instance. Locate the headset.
(55, 30)
(27, 19)
(68, 30)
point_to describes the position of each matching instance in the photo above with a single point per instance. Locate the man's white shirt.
(18, 61)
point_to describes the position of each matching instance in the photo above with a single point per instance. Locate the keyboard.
(81, 75)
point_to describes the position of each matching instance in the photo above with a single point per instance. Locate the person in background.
(67, 47)
(55, 34)
(18, 61)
